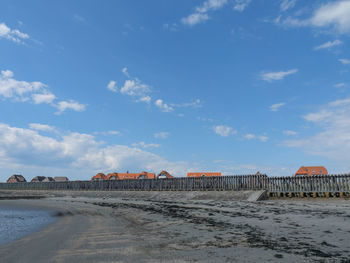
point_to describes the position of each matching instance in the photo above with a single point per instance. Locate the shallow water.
(16, 223)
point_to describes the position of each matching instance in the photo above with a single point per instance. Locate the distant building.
(61, 179)
(311, 170)
(98, 177)
(164, 175)
(48, 179)
(203, 174)
(125, 176)
(143, 175)
(38, 179)
(111, 176)
(16, 178)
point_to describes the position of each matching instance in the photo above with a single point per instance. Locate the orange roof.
(203, 174)
(164, 174)
(99, 176)
(312, 170)
(123, 176)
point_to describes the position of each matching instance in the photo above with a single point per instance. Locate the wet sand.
(182, 227)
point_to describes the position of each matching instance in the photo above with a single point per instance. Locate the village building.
(111, 176)
(98, 177)
(48, 179)
(164, 175)
(201, 174)
(311, 170)
(61, 179)
(16, 178)
(123, 176)
(38, 179)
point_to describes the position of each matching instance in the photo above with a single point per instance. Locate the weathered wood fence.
(285, 186)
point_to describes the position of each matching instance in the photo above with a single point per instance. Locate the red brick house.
(311, 170)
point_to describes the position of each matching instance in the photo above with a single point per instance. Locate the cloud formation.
(251, 136)
(145, 145)
(224, 131)
(329, 44)
(161, 135)
(41, 127)
(201, 12)
(35, 92)
(287, 4)
(141, 92)
(241, 5)
(276, 106)
(76, 151)
(163, 106)
(333, 16)
(344, 61)
(279, 75)
(12, 34)
(332, 138)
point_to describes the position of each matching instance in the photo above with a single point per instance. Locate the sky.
(233, 86)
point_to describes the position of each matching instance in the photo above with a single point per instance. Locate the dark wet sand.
(183, 227)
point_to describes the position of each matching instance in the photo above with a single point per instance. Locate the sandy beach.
(181, 227)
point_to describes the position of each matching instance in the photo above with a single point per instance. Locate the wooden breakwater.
(330, 185)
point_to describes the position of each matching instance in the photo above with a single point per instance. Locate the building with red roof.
(311, 170)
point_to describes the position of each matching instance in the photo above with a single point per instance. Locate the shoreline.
(182, 227)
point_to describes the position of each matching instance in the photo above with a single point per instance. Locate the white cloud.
(287, 4)
(333, 15)
(172, 27)
(105, 133)
(289, 133)
(145, 145)
(200, 15)
(224, 131)
(271, 76)
(43, 98)
(161, 135)
(34, 92)
(134, 88)
(339, 85)
(344, 61)
(125, 72)
(194, 19)
(211, 5)
(205, 119)
(70, 104)
(276, 106)
(251, 136)
(7, 74)
(332, 137)
(41, 127)
(240, 5)
(146, 99)
(18, 90)
(194, 104)
(329, 44)
(112, 86)
(163, 106)
(12, 34)
(76, 151)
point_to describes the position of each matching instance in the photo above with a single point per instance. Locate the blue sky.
(235, 86)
